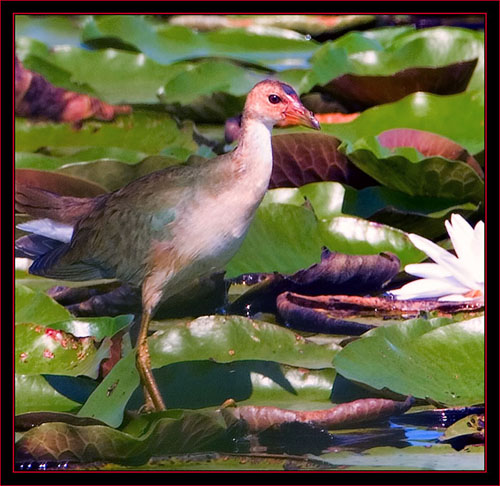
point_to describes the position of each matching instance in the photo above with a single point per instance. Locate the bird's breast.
(214, 228)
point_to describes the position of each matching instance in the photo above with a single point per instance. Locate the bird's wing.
(114, 239)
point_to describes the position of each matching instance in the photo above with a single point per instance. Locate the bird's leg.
(143, 361)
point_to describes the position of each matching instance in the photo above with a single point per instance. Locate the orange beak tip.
(298, 115)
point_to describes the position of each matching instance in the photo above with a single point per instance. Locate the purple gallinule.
(162, 232)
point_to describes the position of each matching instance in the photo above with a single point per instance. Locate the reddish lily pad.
(366, 91)
(301, 158)
(428, 144)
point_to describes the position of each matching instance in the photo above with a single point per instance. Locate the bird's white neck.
(254, 155)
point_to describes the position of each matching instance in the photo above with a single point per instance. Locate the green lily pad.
(366, 202)
(34, 282)
(439, 46)
(97, 327)
(170, 43)
(51, 29)
(437, 457)
(210, 91)
(35, 306)
(412, 214)
(222, 339)
(202, 384)
(347, 234)
(308, 24)
(421, 111)
(403, 358)
(229, 338)
(285, 236)
(37, 57)
(62, 157)
(470, 425)
(207, 77)
(107, 402)
(147, 132)
(34, 394)
(384, 36)
(112, 75)
(404, 170)
(40, 349)
(282, 238)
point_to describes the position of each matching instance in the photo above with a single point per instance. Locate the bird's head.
(276, 103)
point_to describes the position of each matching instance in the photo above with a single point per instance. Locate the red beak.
(297, 114)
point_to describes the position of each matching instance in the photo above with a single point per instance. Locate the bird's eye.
(274, 99)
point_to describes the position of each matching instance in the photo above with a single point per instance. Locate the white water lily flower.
(451, 278)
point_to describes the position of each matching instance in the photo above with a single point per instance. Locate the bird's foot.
(148, 406)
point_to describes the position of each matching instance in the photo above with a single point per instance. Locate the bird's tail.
(51, 233)
(41, 203)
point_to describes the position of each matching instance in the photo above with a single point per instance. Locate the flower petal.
(454, 298)
(478, 245)
(442, 257)
(427, 270)
(462, 238)
(429, 287)
(461, 235)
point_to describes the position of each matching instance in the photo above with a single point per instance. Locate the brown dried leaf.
(37, 98)
(365, 91)
(337, 272)
(340, 416)
(329, 313)
(26, 421)
(61, 184)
